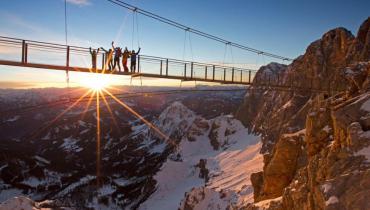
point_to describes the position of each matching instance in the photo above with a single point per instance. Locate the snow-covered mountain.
(216, 155)
(58, 164)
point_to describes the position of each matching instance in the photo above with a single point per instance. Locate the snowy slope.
(229, 166)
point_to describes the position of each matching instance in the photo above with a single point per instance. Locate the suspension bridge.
(55, 56)
(36, 54)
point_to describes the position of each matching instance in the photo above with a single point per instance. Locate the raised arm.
(138, 51)
(113, 45)
(102, 48)
(90, 51)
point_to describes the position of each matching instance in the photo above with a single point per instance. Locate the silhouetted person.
(94, 54)
(133, 60)
(117, 55)
(125, 56)
(108, 58)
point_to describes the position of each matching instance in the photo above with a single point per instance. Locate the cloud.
(80, 2)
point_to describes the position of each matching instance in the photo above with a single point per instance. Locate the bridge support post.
(214, 71)
(26, 53)
(249, 77)
(23, 50)
(241, 76)
(185, 70)
(232, 75)
(103, 62)
(161, 68)
(138, 64)
(191, 70)
(166, 67)
(67, 57)
(205, 75)
(225, 74)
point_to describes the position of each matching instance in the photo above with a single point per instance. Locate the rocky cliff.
(316, 133)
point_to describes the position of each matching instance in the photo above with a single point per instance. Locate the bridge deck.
(35, 54)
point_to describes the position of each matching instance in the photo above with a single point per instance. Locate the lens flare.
(95, 82)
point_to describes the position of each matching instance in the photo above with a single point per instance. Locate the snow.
(366, 106)
(70, 145)
(20, 202)
(235, 168)
(84, 131)
(46, 137)
(69, 188)
(326, 187)
(176, 117)
(331, 200)
(365, 135)
(159, 148)
(364, 152)
(298, 133)
(13, 119)
(122, 182)
(41, 159)
(106, 190)
(8, 193)
(265, 204)
(33, 182)
(230, 167)
(287, 104)
(327, 129)
(205, 198)
(81, 123)
(2, 167)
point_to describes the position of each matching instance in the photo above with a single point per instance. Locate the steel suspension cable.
(66, 38)
(194, 31)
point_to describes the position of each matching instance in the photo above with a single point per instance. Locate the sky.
(283, 27)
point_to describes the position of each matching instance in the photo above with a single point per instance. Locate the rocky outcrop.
(315, 134)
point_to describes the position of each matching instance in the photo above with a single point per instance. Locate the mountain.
(216, 155)
(55, 161)
(319, 126)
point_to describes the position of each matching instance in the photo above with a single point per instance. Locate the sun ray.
(48, 124)
(88, 105)
(97, 139)
(110, 111)
(116, 89)
(164, 136)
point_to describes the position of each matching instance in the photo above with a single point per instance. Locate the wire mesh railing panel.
(199, 71)
(11, 51)
(176, 69)
(219, 74)
(45, 55)
(150, 66)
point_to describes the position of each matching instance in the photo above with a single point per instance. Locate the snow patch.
(70, 145)
(13, 119)
(331, 200)
(326, 187)
(364, 152)
(366, 106)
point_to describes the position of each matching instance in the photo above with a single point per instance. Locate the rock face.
(315, 135)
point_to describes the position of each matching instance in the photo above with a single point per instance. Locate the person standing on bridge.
(125, 56)
(117, 55)
(94, 54)
(133, 60)
(108, 58)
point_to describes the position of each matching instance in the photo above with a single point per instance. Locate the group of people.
(112, 58)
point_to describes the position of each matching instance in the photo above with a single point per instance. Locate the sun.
(95, 82)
